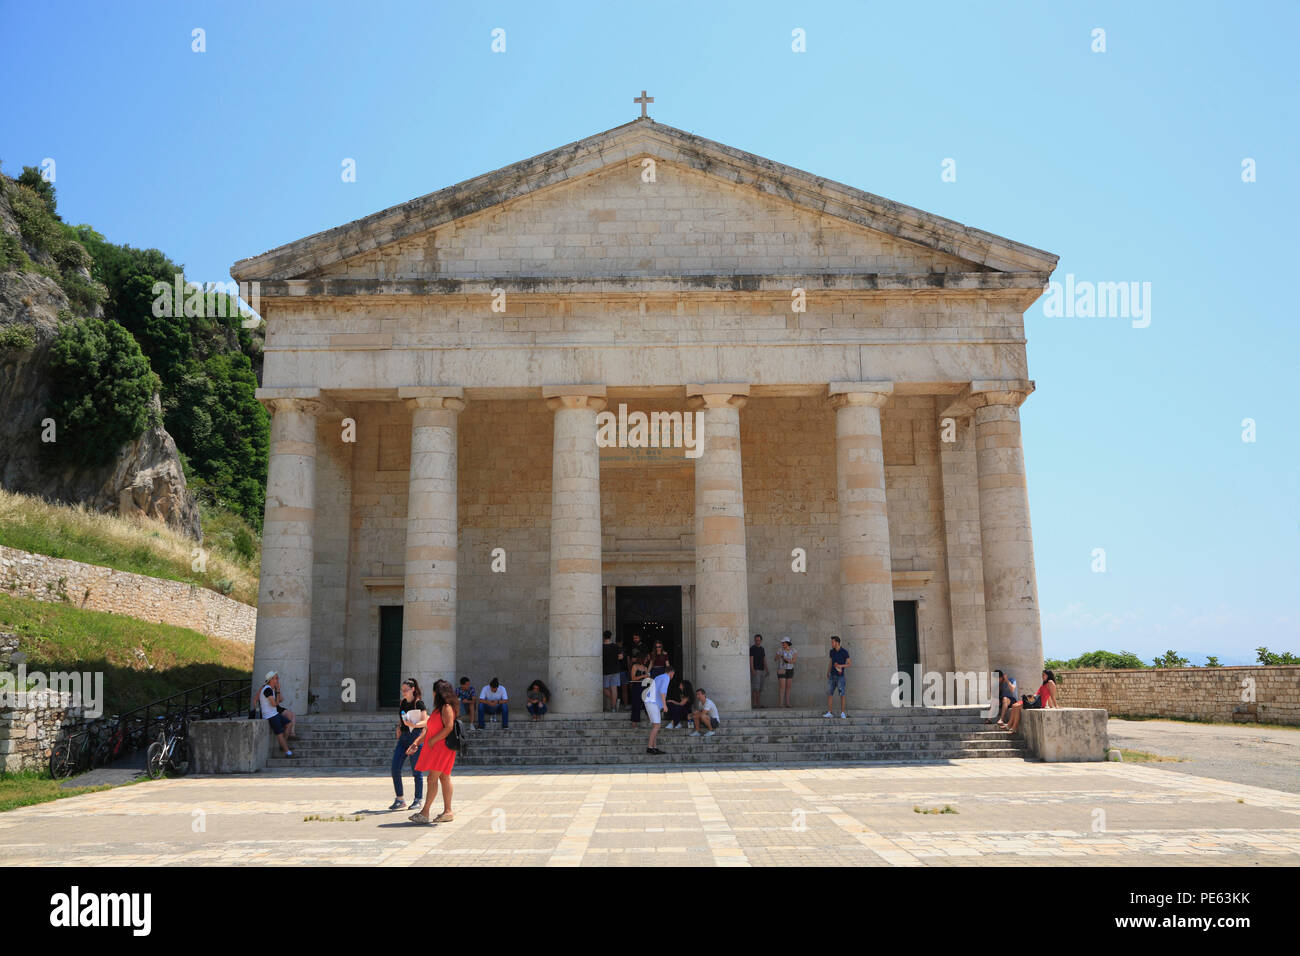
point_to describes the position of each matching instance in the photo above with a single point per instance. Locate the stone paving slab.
(1008, 812)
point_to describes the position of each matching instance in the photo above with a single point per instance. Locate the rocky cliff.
(143, 478)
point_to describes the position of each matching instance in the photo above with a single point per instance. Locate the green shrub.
(17, 337)
(101, 390)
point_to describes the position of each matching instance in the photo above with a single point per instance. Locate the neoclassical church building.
(438, 504)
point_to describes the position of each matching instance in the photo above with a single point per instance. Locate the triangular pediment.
(591, 209)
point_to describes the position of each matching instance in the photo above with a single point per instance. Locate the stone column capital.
(306, 401)
(999, 392)
(435, 398)
(574, 396)
(869, 394)
(717, 395)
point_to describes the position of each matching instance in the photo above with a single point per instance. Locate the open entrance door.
(653, 612)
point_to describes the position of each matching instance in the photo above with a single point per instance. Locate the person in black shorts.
(611, 670)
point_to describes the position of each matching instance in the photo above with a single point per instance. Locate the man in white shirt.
(706, 714)
(493, 699)
(655, 697)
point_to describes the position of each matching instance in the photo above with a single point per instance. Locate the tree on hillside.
(101, 390)
(204, 359)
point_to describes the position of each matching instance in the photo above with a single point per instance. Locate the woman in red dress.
(436, 758)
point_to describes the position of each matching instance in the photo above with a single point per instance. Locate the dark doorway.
(655, 614)
(390, 655)
(907, 641)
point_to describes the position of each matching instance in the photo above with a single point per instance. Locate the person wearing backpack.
(440, 738)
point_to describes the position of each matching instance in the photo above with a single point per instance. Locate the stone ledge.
(1061, 734)
(235, 745)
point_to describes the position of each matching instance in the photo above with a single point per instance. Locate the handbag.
(456, 739)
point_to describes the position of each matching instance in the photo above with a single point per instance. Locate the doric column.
(1010, 584)
(575, 607)
(721, 565)
(866, 584)
(961, 525)
(429, 612)
(283, 641)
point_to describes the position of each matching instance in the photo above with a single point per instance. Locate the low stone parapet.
(234, 745)
(95, 588)
(1065, 734)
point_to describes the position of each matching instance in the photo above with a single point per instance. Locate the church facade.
(438, 374)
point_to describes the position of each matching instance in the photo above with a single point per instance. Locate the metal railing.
(97, 743)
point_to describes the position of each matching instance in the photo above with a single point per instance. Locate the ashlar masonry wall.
(97, 588)
(1269, 695)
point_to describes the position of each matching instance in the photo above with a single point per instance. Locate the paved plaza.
(1007, 813)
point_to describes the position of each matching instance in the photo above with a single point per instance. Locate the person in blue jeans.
(493, 699)
(839, 662)
(410, 710)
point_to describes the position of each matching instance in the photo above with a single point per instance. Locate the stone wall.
(30, 725)
(95, 588)
(1189, 693)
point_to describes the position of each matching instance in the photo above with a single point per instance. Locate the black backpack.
(456, 740)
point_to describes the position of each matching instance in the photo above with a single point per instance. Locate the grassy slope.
(141, 662)
(35, 786)
(146, 547)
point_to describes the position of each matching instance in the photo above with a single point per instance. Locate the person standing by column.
(785, 661)
(839, 663)
(611, 670)
(410, 715)
(757, 670)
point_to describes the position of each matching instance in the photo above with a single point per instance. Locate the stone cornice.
(1020, 284)
(625, 143)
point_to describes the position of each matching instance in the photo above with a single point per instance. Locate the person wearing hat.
(279, 719)
(785, 659)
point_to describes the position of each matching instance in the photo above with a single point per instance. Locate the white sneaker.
(672, 726)
(843, 715)
(694, 733)
(708, 733)
(828, 714)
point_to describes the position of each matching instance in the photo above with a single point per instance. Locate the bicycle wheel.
(181, 757)
(154, 764)
(60, 762)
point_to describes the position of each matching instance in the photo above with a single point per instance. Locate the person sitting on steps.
(538, 694)
(493, 700)
(706, 715)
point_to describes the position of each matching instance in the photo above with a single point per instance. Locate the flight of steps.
(365, 741)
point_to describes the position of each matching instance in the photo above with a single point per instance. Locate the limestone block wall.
(914, 493)
(96, 588)
(788, 461)
(30, 726)
(504, 486)
(381, 458)
(1190, 693)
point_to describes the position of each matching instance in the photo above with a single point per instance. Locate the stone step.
(520, 715)
(554, 730)
(668, 759)
(365, 741)
(511, 742)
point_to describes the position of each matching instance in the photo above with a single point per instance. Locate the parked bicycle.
(74, 755)
(170, 752)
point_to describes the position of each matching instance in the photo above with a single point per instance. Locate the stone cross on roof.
(643, 100)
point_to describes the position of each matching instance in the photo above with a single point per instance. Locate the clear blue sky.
(1125, 163)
